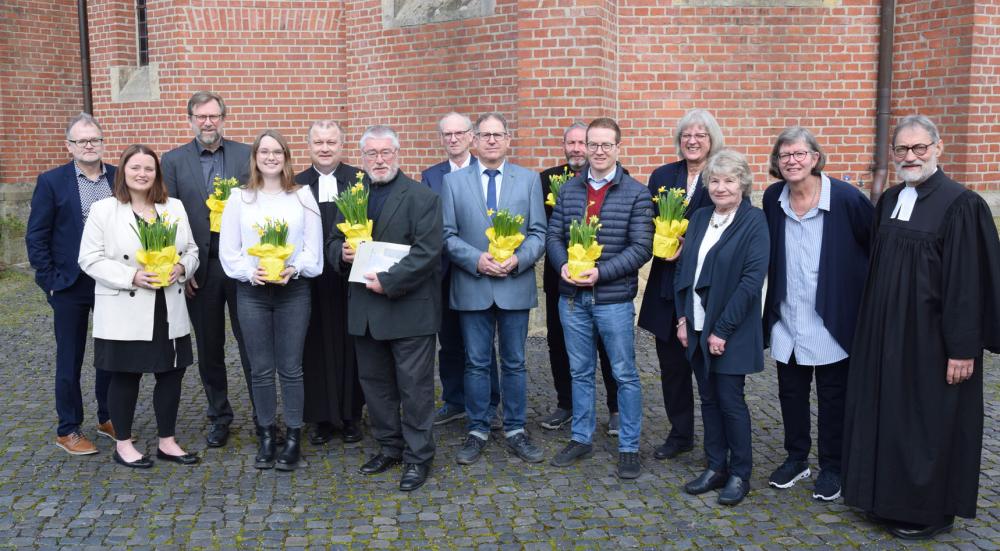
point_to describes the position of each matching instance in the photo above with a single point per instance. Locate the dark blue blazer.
(657, 312)
(843, 260)
(55, 226)
(729, 287)
(433, 177)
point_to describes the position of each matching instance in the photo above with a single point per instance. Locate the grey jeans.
(273, 319)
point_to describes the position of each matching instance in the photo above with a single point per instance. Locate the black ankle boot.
(288, 460)
(267, 451)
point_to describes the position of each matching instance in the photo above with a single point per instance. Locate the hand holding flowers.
(158, 253)
(353, 204)
(273, 249)
(583, 251)
(670, 223)
(216, 202)
(505, 234)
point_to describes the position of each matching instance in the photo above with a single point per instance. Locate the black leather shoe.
(186, 459)
(735, 490)
(379, 464)
(267, 448)
(141, 463)
(915, 533)
(322, 434)
(706, 482)
(671, 449)
(288, 459)
(414, 476)
(351, 433)
(217, 435)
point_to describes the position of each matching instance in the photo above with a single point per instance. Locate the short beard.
(576, 164)
(926, 171)
(384, 179)
(203, 141)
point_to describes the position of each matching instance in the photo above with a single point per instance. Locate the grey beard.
(384, 179)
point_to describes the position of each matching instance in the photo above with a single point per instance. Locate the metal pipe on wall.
(883, 110)
(88, 92)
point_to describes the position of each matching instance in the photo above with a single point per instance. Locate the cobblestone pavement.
(50, 499)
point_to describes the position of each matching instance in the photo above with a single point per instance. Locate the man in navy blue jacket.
(59, 207)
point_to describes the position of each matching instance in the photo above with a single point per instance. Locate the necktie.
(491, 189)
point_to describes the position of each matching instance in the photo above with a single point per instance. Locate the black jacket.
(626, 234)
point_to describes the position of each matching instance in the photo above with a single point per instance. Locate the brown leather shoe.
(75, 443)
(107, 429)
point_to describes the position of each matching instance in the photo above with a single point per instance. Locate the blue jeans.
(274, 319)
(613, 323)
(451, 357)
(478, 330)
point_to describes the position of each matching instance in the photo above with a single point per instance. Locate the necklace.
(813, 201)
(719, 222)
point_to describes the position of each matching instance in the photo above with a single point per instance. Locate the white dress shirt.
(464, 164)
(244, 210)
(485, 180)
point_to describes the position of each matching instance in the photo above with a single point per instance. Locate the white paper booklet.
(374, 257)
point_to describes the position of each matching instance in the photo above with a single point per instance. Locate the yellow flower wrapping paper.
(666, 239)
(581, 258)
(160, 262)
(356, 233)
(550, 200)
(272, 258)
(215, 208)
(503, 248)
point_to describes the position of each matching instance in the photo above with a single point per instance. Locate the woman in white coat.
(138, 326)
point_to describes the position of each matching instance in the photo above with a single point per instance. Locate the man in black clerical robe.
(914, 416)
(333, 396)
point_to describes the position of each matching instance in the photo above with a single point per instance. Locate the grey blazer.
(183, 177)
(465, 223)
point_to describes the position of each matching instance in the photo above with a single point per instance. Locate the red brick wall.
(39, 85)
(542, 63)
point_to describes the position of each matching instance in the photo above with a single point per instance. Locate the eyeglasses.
(203, 118)
(797, 155)
(456, 135)
(92, 142)
(605, 147)
(270, 153)
(919, 149)
(386, 154)
(487, 136)
(701, 136)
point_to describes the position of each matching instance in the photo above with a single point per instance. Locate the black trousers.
(794, 388)
(397, 377)
(678, 391)
(559, 360)
(208, 317)
(123, 393)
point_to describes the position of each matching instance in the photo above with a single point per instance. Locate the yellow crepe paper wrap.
(159, 262)
(215, 208)
(503, 247)
(581, 258)
(550, 200)
(666, 239)
(356, 233)
(272, 258)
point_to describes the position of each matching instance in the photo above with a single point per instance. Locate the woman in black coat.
(718, 299)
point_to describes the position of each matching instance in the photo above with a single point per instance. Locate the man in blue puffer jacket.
(599, 301)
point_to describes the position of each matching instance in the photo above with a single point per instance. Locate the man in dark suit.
(59, 207)
(333, 396)
(397, 313)
(456, 138)
(188, 172)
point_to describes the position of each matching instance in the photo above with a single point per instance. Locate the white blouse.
(245, 209)
(712, 236)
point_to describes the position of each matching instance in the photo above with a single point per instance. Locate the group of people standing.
(888, 307)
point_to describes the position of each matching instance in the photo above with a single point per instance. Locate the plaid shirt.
(91, 191)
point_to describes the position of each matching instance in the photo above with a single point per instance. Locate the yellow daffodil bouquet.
(583, 250)
(353, 204)
(216, 202)
(273, 248)
(670, 222)
(505, 235)
(555, 184)
(157, 237)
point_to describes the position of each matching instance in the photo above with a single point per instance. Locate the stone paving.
(49, 499)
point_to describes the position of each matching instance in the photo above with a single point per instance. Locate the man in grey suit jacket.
(493, 298)
(188, 172)
(396, 315)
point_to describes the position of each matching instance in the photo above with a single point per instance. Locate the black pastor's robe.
(329, 366)
(912, 442)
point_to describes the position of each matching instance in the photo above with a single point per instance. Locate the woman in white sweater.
(273, 315)
(139, 326)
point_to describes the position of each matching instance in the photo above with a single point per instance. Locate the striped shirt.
(800, 330)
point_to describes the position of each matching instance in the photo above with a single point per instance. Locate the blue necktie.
(491, 189)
